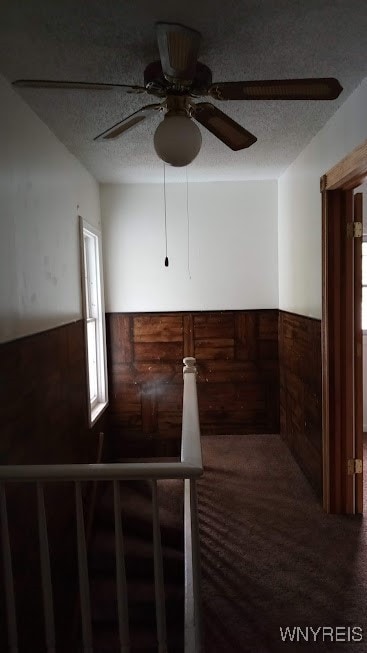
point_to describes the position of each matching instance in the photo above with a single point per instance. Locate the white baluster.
(48, 608)
(160, 607)
(196, 566)
(193, 616)
(121, 586)
(83, 573)
(8, 576)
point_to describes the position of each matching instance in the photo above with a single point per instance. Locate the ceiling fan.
(177, 80)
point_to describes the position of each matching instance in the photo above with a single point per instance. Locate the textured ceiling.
(113, 41)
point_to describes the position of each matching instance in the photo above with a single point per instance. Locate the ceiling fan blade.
(88, 86)
(222, 126)
(127, 123)
(178, 49)
(323, 88)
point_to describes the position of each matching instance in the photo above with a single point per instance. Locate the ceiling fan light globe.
(177, 140)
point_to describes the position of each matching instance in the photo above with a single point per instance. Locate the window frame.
(98, 404)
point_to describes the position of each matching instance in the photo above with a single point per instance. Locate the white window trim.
(96, 408)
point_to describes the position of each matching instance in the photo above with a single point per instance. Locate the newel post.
(189, 365)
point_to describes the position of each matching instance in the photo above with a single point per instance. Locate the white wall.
(299, 205)
(41, 187)
(233, 246)
(363, 189)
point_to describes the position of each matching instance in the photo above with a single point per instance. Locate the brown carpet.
(271, 557)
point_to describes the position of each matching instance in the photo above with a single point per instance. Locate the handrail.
(98, 471)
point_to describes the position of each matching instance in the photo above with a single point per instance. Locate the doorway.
(342, 345)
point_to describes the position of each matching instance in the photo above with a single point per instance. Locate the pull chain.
(166, 262)
(188, 224)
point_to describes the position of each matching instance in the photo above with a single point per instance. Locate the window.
(93, 310)
(364, 284)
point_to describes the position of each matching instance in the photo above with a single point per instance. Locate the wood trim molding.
(326, 462)
(349, 172)
(337, 351)
(358, 351)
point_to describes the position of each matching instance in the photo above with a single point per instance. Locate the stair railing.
(189, 468)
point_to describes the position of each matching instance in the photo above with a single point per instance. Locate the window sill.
(96, 412)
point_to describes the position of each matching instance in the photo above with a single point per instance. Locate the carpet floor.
(271, 557)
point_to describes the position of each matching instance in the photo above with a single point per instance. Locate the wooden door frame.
(337, 339)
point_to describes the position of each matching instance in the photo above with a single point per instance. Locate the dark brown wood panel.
(215, 349)
(158, 351)
(238, 372)
(168, 328)
(246, 330)
(300, 392)
(149, 408)
(119, 333)
(214, 325)
(43, 399)
(43, 417)
(188, 337)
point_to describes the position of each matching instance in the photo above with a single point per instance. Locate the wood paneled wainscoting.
(43, 417)
(300, 392)
(238, 374)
